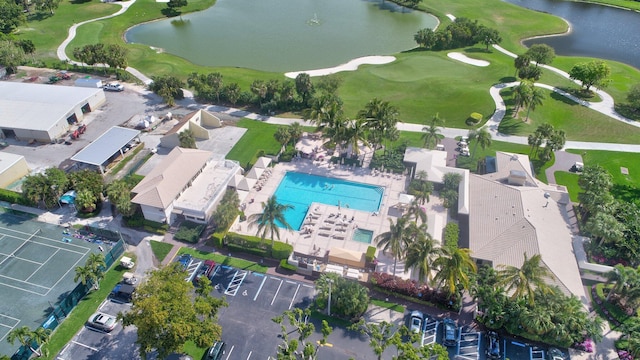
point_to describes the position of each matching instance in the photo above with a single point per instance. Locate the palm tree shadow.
(564, 99)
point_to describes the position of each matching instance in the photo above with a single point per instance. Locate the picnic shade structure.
(235, 180)
(404, 200)
(69, 197)
(246, 184)
(263, 162)
(347, 257)
(255, 173)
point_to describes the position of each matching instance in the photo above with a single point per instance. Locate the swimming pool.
(300, 190)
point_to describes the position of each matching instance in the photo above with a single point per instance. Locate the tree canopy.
(593, 73)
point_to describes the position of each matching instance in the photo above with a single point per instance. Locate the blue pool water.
(363, 236)
(300, 190)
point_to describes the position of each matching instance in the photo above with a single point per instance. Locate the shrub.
(14, 197)
(255, 245)
(286, 266)
(247, 250)
(189, 232)
(371, 253)
(281, 250)
(474, 119)
(451, 235)
(217, 238)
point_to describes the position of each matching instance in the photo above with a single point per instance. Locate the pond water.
(596, 31)
(285, 35)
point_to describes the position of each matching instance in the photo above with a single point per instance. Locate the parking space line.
(260, 288)
(294, 297)
(291, 282)
(85, 346)
(249, 355)
(103, 304)
(277, 291)
(230, 351)
(308, 286)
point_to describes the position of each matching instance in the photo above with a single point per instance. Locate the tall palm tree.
(27, 337)
(420, 256)
(325, 110)
(395, 240)
(96, 263)
(521, 95)
(415, 212)
(431, 134)
(525, 279)
(187, 139)
(454, 265)
(282, 136)
(535, 98)
(356, 133)
(267, 221)
(85, 274)
(421, 189)
(381, 118)
(482, 137)
(295, 131)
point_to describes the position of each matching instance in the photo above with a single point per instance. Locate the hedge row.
(13, 197)
(189, 232)
(412, 289)
(255, 245)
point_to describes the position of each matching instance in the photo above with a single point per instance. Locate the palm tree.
(420, 256)
(525, 279)
(381, 118)
(259, 89)
(267, 221)
(521, 95)
(295, 131)
(86, 200)
(431, 134)
(454, 265)
(535, 98)
(356, 134)
(96, 263)
(283, 136)
(187, 139)
(395, 240)
(85, 274)
(325, 110)
(415, 212)
(482, 137)
(28, 337)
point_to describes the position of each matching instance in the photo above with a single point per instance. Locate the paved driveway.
(564, 162)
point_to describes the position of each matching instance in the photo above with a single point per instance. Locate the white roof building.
(512, 213)
(44, 112)
(187, 182)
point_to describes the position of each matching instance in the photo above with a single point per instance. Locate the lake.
(285, 35)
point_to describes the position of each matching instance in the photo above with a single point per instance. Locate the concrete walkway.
(564, 162)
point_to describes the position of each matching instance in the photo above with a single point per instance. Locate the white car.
(114, 86)
(416, 321)
(102, 321)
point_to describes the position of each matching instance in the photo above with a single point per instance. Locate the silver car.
(102, 321)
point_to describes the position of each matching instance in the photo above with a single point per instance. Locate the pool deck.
(323, 229)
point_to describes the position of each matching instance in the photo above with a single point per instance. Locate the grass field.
(570, 180)
(259, 136)
(578, 122)
(160, 249)
(225, 260)
(612, 161)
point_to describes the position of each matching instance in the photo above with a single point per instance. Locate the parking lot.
(254, 299)
(94, 344)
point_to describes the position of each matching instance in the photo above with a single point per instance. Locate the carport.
(347, 257)
(110, 145)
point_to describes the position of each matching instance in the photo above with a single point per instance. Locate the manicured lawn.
(190, 348)
(625, 187)
(570, 180)
(613, 161)
(160, 249)
(578, 122)
(225, 260)
(388, 305)
(79, 315)
(259, 136)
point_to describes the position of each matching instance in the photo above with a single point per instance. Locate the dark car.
(206, 269)
(450, 336)
(122, 293)
(493, 346)
(102, 321)
(216, 351)
(185, 260)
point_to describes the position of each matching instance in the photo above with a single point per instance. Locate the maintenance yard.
(37, 263)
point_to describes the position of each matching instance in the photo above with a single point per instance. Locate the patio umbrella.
(235, 181)
(255, 173)
(246, 184)
(263, 162)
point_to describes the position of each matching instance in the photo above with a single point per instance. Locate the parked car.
(493, 346)
(122, 293)
(206, 269)
(450, 336)
(185, 260)
(216, 351)
(114, 86)
(555, 354)
(102, 321)
(415, 321)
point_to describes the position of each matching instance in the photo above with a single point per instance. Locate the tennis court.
(37, 267)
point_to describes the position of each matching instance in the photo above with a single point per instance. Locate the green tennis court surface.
(37, 267)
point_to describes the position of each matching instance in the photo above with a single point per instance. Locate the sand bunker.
(467, 60)
(350, 66)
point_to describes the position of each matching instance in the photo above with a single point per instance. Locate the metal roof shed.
(106, 146)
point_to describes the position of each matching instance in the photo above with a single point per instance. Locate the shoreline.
(351, 65)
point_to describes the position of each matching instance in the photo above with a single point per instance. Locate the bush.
(281, 250)
(217, 238)
(288, 154)
(255, 245)
(189, 232)
(14, 197)
(247, 250)
(474, 119)
(410, 289)
(371, 253)
(137, 220)
(286, 266)
(451, 235)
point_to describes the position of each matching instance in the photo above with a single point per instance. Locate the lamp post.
(329, 304)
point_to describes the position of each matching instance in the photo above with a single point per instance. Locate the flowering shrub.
(411, 288)
(624, 355)
(586, 345)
